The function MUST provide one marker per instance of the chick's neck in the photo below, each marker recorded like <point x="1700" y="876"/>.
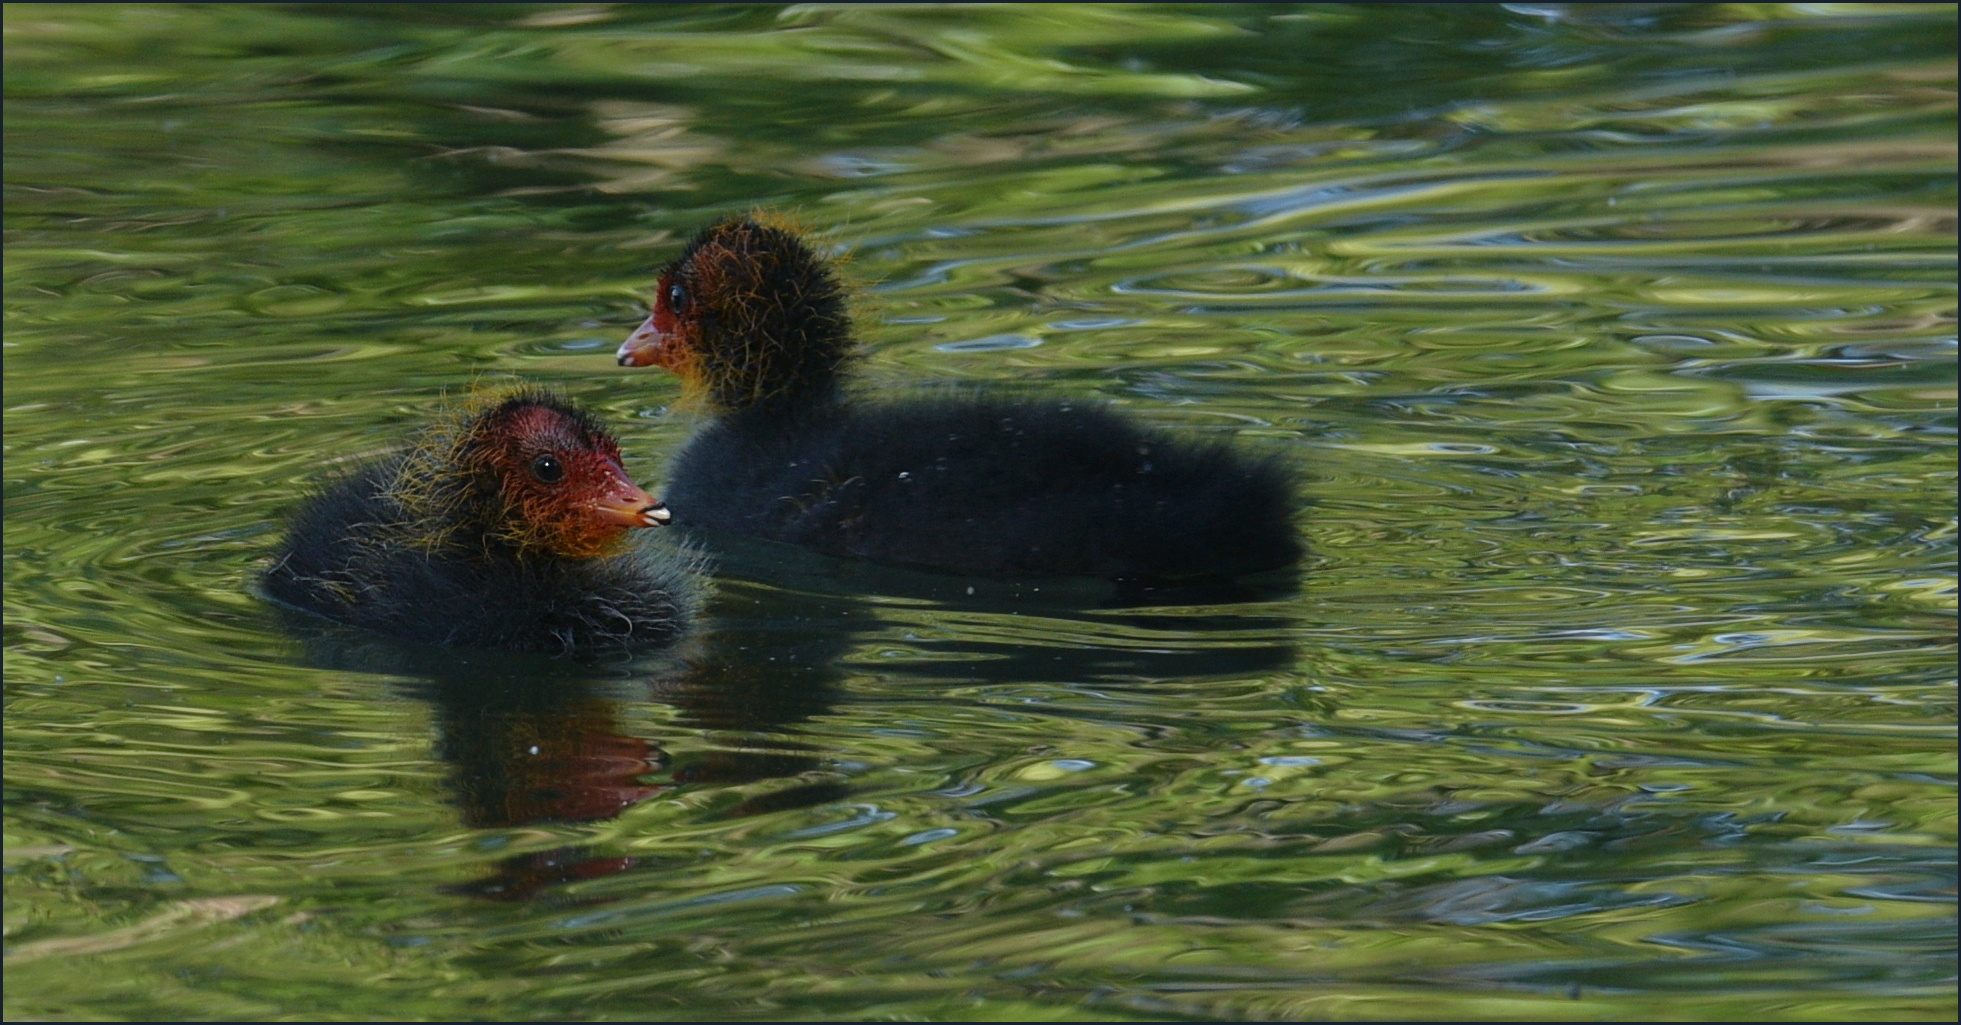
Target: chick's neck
<point x="774" y="357"/>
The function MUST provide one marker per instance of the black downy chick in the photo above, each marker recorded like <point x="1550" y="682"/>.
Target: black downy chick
<point x="503" y="526"/>
<point x="755" y="324"/>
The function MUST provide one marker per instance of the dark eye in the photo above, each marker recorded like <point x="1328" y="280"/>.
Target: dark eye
<point x="677" y="298"/>
<point x="548" y="469"/>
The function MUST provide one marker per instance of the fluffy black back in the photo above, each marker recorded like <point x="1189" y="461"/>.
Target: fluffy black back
<point x="988" y="487"/>
<point x="348" y="558"/>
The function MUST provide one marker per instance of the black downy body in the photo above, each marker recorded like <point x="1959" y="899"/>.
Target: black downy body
<point x="365" y="552"/>
<point x="974" y="485"/>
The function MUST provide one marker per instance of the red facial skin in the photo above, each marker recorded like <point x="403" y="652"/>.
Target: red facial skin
<point x="561" y="489"/>
<point x="747" y="314"/>
<point x="666" y="339"/>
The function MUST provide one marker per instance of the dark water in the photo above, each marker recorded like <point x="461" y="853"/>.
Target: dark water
<point x="1613" y="343"/>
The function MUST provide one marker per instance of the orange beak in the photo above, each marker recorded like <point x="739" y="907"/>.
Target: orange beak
<point x="628" y="506"/>
<point x="647" y="346"/>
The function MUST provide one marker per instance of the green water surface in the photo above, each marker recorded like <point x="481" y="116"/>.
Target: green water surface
<point x="1613" y="344"/>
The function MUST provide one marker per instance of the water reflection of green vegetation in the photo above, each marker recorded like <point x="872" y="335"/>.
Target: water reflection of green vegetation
<point x="1615" y="339"/>
<point x="533" y="740"/>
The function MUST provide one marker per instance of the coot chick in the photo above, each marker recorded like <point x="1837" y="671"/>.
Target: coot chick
<point x="755" y="324"/>
<point x="502" y="526"/>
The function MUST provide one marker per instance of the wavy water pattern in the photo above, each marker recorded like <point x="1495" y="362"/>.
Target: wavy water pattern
<point x="1613" y="345"/>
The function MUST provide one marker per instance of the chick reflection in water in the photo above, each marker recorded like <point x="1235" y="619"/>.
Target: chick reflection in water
<point x="536" y="751"/>
<point x="533" y="740"/>
<point x="524" y="752"/>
